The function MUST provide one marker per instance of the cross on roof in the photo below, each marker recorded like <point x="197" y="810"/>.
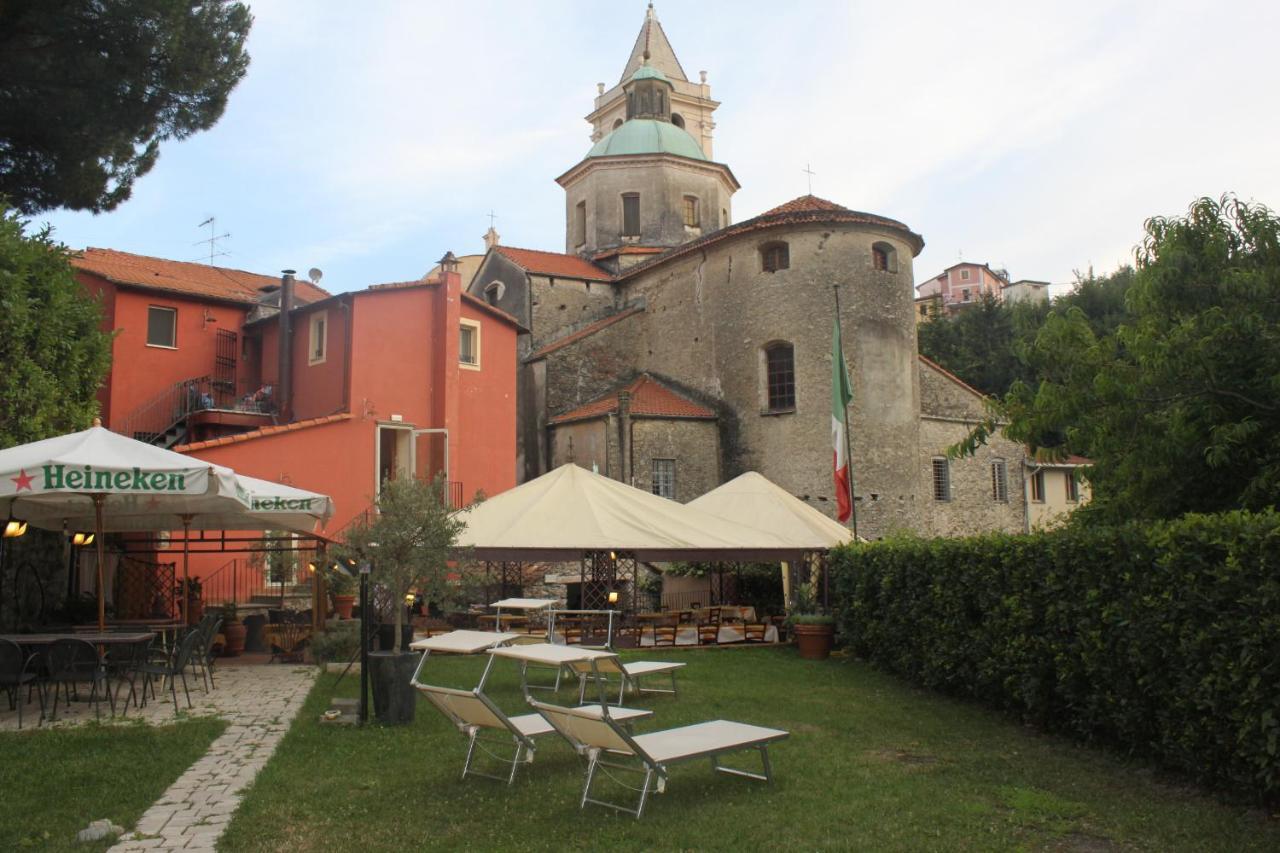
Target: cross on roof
<point x="492" y="217"/>
<point x="810" y="173"/>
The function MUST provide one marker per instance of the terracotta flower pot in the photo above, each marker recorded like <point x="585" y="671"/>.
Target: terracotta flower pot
<point x="814" y="641"/>
<point x="342" y="605"/>
<point x="195" y="611"/>
<point x="233" y="633"/>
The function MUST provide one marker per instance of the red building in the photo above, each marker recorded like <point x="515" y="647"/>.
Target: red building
<point x="408" y="378"/>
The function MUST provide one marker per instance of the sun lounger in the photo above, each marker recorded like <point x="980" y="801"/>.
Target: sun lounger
<point x="599" y="738"/>
<point x="629" y="674"/>
<point x="473" y="712"/>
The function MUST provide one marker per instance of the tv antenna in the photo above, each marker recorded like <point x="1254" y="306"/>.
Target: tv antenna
<point x="214" y="237"/>
<point x="314" y="275"/>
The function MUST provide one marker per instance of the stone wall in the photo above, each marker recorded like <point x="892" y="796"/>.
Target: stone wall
<point x="587" y="368"/>
<point x="693" y="444"/>
<point x="559" y="305"/>
<point x="586" y="444"/>
<point x="512" y="285"/>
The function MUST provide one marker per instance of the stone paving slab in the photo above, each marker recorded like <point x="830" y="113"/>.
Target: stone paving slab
<point x="259" y="702"/>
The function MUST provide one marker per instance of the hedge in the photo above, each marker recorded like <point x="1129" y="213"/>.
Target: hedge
<point x="1161" y="639"/>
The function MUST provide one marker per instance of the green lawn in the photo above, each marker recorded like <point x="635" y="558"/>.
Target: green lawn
<point x="54" y="782"/>
<point x="871" y="764"/>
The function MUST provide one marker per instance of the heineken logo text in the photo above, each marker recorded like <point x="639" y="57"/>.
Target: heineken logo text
<point x="281" y="503"/>
<point x="137" y="480"/>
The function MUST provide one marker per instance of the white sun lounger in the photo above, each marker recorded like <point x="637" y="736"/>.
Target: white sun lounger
<point x="599" y="739"/>
<point x="629" y="674"/>
<point x="473" y="712"/>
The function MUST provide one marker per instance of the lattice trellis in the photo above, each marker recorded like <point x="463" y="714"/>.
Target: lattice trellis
<point x="604" y="572"/>
<point x="503" y="579"/>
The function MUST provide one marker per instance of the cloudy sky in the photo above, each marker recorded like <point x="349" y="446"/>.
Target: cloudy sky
<point x="369" y="138"/>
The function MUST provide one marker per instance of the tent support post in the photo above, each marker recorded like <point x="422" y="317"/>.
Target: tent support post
<point x="186" y="568"/>
<point x="98" y="501"/>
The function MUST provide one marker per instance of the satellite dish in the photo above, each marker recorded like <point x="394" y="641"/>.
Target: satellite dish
<point x="315" y="274"/>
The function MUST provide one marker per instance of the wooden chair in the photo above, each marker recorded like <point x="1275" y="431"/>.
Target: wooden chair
<point x="753" y="632"/>
<point x="664" y="634"/>
<point x="713" y="616"/>
<point x="708" y="634"/>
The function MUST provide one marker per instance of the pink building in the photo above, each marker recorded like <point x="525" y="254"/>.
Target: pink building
<point x="963" y="284"/>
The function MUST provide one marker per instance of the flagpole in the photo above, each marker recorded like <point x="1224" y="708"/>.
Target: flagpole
<point x="848" y="434"/>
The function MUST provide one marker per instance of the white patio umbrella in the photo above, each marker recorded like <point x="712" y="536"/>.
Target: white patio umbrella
<point x="100" y="480"/>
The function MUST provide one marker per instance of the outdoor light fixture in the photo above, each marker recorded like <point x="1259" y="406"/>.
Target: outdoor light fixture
<point x="80" y="539"/>
<point x="613" y="555"/>
<point x="410" y="598"/>
<point x="311" y="567"/>
<point x="613" y="597"/>
<point x="14" y="528"/>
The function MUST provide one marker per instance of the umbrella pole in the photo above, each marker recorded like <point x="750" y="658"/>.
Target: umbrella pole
<point x="98" y="500"/>
<point x="186" y="568"/>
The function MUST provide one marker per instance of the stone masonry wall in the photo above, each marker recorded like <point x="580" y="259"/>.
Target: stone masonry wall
<point x="557" y="305"/>
<point x="693" y="444"/>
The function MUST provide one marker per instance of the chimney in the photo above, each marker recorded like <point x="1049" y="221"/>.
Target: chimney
<point x="284" y="382"/>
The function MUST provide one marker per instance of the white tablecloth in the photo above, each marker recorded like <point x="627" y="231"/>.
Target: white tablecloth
<point x="687" y="635"/>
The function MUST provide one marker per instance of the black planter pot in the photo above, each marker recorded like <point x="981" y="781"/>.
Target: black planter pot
<point x="394" y="698"/>
<point x="387" y="636"/>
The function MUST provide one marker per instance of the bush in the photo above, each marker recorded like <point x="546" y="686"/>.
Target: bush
<point x="337" y="643"/>
<point x="1162" y="639"/>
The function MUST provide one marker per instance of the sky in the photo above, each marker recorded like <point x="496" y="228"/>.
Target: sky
<point x="368" y="139"/>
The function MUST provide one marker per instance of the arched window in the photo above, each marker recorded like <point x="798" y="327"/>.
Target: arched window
<point x="677" y="120"/>
<point x="617" y="123"/>
<point x="580" y="223"/>
<point x="884" y="258"/>
<point x="774" y="256"/>
<point x="780" y="377"/>
<point x="493" y="292"/>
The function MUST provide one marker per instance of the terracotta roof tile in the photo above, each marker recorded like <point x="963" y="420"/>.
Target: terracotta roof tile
<point x="795" y="212"/>
<point x="186" y="278"/>
<point x="263" y="433"/>
<point x="803" y="203"/>
<point x="553" y="263"/>
<point x="585" y="331"/>
<point x="649" y="398"/>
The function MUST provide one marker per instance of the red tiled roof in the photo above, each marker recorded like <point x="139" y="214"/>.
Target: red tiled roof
<point x="628" y="250"/>
<point x="585" y="331"/>
<point x="492" y="309"/>
<point x="803" y="203"/>
<point x="795" y="212"/>
<point x="186" y="278"/>
<point x="262" y="433"/>
<point x="553" y="263"/>
<point x="649" y="398"/>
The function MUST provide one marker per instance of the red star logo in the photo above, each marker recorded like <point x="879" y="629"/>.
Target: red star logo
<point x="22" y="481"/>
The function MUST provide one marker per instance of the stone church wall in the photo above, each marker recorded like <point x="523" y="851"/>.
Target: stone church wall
<point x="710" y="314"/>
<point x="586" y="369"/>
<point x="587" y="443"/>
<point x="514" y="296"/>
<point x="558" y="305"/>
<point x="693" y="444"/>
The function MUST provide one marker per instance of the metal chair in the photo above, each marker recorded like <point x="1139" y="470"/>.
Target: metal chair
<point x="172" y="671"/>
<point x="203" y="657"/>
<point x="15" y="673"/>
<point x="68" y="663"/>
<point x="124" y="661"/>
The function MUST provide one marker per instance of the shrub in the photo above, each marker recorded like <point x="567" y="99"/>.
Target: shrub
<point x="337" y="643"/>
<point x="1160" y="638"/>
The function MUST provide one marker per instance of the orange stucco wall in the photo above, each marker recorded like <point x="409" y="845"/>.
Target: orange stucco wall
<point x="485" y="444"/>
<point x="318" y="389"/>
<point x="139" y="372"/>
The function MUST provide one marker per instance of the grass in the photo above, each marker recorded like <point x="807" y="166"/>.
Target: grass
<point x="56" y="781"/>
<point x="871" y="764"/>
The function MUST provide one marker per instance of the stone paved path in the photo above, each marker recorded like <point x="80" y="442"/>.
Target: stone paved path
<point x="260" y="702"/>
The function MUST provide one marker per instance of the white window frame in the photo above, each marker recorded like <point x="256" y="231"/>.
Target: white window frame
<point x="173" y="315"/>
<point x="1037" y="486"/>
<point x="999" y="481"/>
<point x="318" y="319"/>
<point x="475" y="335"/>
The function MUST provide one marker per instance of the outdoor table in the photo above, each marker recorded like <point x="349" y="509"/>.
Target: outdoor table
<point x="97" y="638"/>
<point x="507" y="619"/>
<point x="687" y="635"/>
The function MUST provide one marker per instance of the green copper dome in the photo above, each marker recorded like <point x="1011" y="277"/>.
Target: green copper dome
<point x="648" y="72"/>
<point x="648" y="136"/>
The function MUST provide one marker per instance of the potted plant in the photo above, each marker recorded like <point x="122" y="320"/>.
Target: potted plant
<point x="342" y="588"/>
<point x="814" y="630"/>
<point x="195" y="603"/>
<point x="408" y="544"/>
<point x="233" y="631"/>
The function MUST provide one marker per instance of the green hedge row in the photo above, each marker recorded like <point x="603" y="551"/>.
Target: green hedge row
<point x="1162" y="639"/>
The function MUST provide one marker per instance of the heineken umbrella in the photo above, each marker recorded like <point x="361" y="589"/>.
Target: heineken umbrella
<point x="102" y="481"/>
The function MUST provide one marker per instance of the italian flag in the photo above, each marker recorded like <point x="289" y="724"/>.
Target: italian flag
<point x="841" y="396"/>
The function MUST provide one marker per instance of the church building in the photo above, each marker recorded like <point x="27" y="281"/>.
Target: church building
<point x="673" y="348"/>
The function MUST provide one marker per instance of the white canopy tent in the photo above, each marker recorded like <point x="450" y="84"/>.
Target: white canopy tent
<point x="102" y="481"/>
<point x="754" y="500"/>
